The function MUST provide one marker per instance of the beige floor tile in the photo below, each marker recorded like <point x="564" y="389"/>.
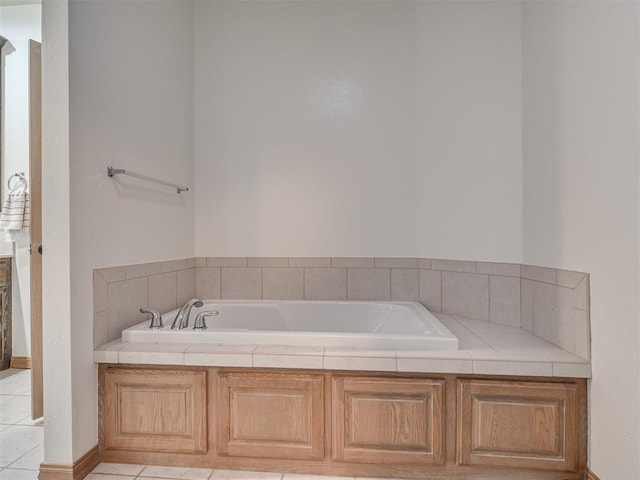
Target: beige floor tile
<point x="244" y="475"/>
<point x="17" y="440"/>
<point x="180" y="473"/>
<point x="30" y="460"/>
<point x="102" y="476"/>
<point x="14" y="474"/>
<point x="118" y="469"/>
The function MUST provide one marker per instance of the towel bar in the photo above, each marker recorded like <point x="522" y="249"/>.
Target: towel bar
<point x="121" y="171"/>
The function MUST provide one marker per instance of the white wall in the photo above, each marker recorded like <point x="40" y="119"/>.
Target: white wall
<point x="19" y="24"/>
<point x="358" y="128"/>
<point x="56" y="261"/>
<point x="131" y="78"/>
<point x="469" y="130"/>
<point x="581" y="192"/>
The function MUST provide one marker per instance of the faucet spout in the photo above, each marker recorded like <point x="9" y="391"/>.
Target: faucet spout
<point x="182" y="318"/>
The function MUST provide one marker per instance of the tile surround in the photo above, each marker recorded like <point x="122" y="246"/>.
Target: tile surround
<point x="369" y="284"/>
<point x="245" y="283"/>
<point x="325" y="283"/>
<point x="465" y="294"/>
<point x="552" y="304"/>
<point x="120" y="292"/>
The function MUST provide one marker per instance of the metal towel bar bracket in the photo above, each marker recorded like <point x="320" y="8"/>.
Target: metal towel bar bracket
<point x="121" y="171"/>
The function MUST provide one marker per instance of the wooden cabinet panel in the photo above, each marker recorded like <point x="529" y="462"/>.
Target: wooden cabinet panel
<point x="387" y="420"/>
<point x="155" y="410"/>
<point x="517" y="424"/>
<point x="271" y="415"/>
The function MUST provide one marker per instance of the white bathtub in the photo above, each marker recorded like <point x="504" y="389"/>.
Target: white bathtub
<point x="374" y="325"/>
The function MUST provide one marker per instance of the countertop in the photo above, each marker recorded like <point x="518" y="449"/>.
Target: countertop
<point x="484" y="348"/>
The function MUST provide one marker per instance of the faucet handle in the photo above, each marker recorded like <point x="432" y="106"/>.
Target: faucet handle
<point x="156" y="319"/>
<point x="200" y="324"/>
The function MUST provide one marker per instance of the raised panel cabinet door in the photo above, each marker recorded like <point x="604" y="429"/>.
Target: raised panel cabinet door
<point x="517" y="424"/>
<point x="271" y="415"/>
<point x="387" y="420"/>
<point x="155" y="410"/>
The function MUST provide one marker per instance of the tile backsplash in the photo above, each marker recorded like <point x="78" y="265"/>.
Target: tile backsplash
<point x="119" y="292"/>
<point x="552" y="304"/>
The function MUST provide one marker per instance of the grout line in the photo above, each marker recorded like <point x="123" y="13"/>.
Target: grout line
<point x="441" y="294"/>
<point x="346" y="286"/>
<point x="304" y="283"/>
<point x="489" y="300"/>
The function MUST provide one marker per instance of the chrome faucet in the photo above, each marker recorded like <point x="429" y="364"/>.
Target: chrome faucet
<point x="156" y="319"/>
<point x="182" y="318"/>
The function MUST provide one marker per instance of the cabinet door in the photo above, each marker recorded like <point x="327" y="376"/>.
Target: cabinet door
<point x="155" y="410"/>
<point x="517" y="424"/>
<point x="387" y="420"/>
<point x="271" y="415"/>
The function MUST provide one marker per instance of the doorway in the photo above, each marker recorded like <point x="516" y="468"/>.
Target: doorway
<point x="20" y="173"/>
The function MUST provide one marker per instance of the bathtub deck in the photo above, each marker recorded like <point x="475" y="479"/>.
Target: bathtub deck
<point x="485" y="348"/>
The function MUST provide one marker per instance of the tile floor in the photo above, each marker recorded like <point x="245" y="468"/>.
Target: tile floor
<point x="21" y="446"/>
<point x="115" y="471"/>
<point x="21" y="439"/>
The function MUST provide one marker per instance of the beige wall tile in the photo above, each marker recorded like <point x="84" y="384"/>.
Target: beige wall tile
<point x="424" y="263"/>
<point x="352" y="262"/>
<point x="191" y="262"/>
<point x="453" y="265"/>
<point x="325" y="284"/>
<point x="226" y="262"/>
<point x="162" y="292"/>
<point x="99" y="292"/>
<point x="539" y="274"/>
<point x="569" y="279"/>
<point x="100" y="329"/>
<point x="572" y="370"/>
<point x="405" y="284"/>
<point x="174" y="265"/>
<point x="125" y="299"/>
<point x="113" y="274"/>
<point x="526" y="304"/>
<point x="465" y="294"/>
<point x="504" y="300"/>
<point x="317" y="262"/>
<point x="581" y="294"/>
<point x="143" y="269"/>
<point x="207" y="283"/>
<point x="186" y="285"/>
<point x="431" y="289"/>
<point x="554" y="315"/>
<point x="504" y="269"/>
<point x="583" y="334"/>
<point x="396" y="263"/>
<point x="283" y="283"/>
<point x="287" y="361"/>
<point x="334" y="362"/>
<point x="497" y="367"/>
<point x="241" y="283"/>
<point x="268" y="261"/>
<point x="546" y="312"/>
<point x="431" y="365"/>
<point x="368" y="284"/>
<point x="201" y="262"/>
